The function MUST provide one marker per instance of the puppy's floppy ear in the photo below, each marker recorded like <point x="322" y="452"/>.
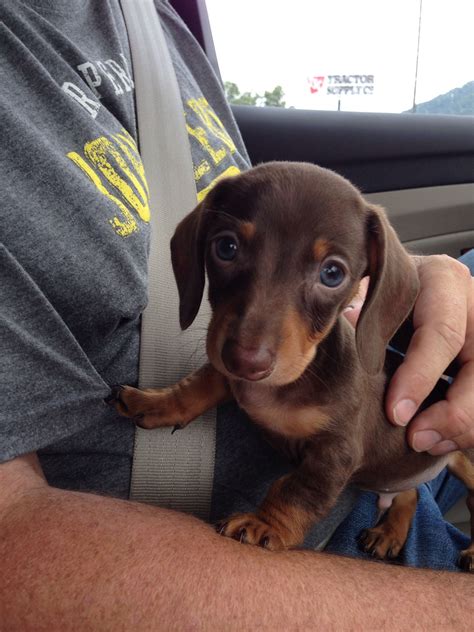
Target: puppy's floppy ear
<point x="392" y="291"/>
<point x="188" y="246"/>
<point x="187" y="257"/>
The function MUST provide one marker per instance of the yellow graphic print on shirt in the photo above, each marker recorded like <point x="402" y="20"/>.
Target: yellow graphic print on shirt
<point x="114" y="166"/>
<point x="117" y="160"/>
<point x="214" y="140"/>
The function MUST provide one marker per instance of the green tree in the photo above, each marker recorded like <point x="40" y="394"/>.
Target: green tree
<point x="273" y="98"/>
<point x="234" y="96"/>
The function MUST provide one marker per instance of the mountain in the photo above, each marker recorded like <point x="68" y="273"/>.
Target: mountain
<point x="457" y="101"/>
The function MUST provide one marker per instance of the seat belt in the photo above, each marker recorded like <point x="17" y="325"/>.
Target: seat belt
<point x="171" y="470"/>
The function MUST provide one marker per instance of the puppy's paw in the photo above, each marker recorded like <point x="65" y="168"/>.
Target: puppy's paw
<point x="466" y="560"/>
<point x="149" y="408"/>
<point x="128" y="401"/>
<point x="250" y="529"/>
<point x="382" y="542"/>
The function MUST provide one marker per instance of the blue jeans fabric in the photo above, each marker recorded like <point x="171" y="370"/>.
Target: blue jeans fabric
<point x="432" y="541"/>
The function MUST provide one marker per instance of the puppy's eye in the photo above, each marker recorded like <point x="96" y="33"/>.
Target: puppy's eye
<point x="226" y="248"/>
<point x="331" y="274"/>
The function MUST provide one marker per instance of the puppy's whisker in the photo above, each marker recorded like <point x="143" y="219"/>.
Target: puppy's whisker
<point x="199" y="351"/>
<point x="309" y="373"/>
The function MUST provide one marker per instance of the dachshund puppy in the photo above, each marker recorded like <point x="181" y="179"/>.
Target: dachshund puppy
<point x="285" y="246"/>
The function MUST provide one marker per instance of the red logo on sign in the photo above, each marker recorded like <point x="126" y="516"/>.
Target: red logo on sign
<point x="315" y="83"/>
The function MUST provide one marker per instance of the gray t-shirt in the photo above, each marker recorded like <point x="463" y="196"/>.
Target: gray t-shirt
<point x="74" y="239"/>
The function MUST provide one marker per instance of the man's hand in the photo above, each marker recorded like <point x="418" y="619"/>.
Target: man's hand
<point x="443" y="320"/>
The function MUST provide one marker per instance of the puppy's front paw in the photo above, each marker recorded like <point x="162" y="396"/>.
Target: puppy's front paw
<point x="126" y="400"/>
<point x="149" y="408"/>
<point x="382" y="542"/>
<point x="250" y="529"/>
<point x="466" y="559"/>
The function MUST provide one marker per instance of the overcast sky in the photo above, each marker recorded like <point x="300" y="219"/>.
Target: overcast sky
<point x="263" y="43"/>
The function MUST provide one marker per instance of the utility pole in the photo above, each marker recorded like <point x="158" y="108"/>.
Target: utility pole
<point x="413" y="109"/>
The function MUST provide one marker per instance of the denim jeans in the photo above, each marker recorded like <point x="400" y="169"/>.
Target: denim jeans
<point x="432" y="541"/>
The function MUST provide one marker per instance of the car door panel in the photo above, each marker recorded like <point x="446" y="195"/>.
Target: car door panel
<point x="420" y="168"/>
<point x="432" y="220"/>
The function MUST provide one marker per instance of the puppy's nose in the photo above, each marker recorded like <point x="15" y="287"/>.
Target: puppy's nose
<point x="249" y="363"/>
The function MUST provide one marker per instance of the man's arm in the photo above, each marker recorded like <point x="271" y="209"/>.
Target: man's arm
<point x="79" y="561"/>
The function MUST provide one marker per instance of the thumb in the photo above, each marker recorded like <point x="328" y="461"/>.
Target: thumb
<point x="352" y="311"/>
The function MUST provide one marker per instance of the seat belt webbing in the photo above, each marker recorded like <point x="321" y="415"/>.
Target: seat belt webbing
<point x="171" y="470"/>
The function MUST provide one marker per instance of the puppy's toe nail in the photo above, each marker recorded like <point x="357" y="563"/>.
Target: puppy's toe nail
<point x="264" y="542"/>
<point x="365" y="540"/>
<point x="114" y="395"/>
<point x="466" y="563"/>
<point x="242" y="535"/>
<point x="176" y="427"/>
<point x="220" y="527"/>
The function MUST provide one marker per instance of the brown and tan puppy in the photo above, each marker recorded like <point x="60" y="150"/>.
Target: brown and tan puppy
<point x="285" y="246"/>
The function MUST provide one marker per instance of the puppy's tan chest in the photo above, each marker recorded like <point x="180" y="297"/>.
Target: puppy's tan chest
<point x="291" y="421"/>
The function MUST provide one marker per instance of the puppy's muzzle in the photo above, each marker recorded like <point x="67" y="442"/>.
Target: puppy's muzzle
<point x="248" y="363"/>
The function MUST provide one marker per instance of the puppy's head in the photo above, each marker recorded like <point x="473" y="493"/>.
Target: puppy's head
<point x="285" y="246"/>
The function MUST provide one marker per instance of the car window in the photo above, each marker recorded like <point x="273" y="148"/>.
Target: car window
<point x="349" y="55"/>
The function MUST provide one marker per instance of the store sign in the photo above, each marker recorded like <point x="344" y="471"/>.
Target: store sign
<point x="342" y="85"/>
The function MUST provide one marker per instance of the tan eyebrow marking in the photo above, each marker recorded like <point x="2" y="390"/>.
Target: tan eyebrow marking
<point x="247" y="230"/>
<point x="321" y="248"/>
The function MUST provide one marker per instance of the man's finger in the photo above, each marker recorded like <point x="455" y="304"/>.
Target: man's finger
<point x="426" y="359"/>
<point x="447" y="425"/>
<point x="352" y="312"/>
<point x="440" y="327"/>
